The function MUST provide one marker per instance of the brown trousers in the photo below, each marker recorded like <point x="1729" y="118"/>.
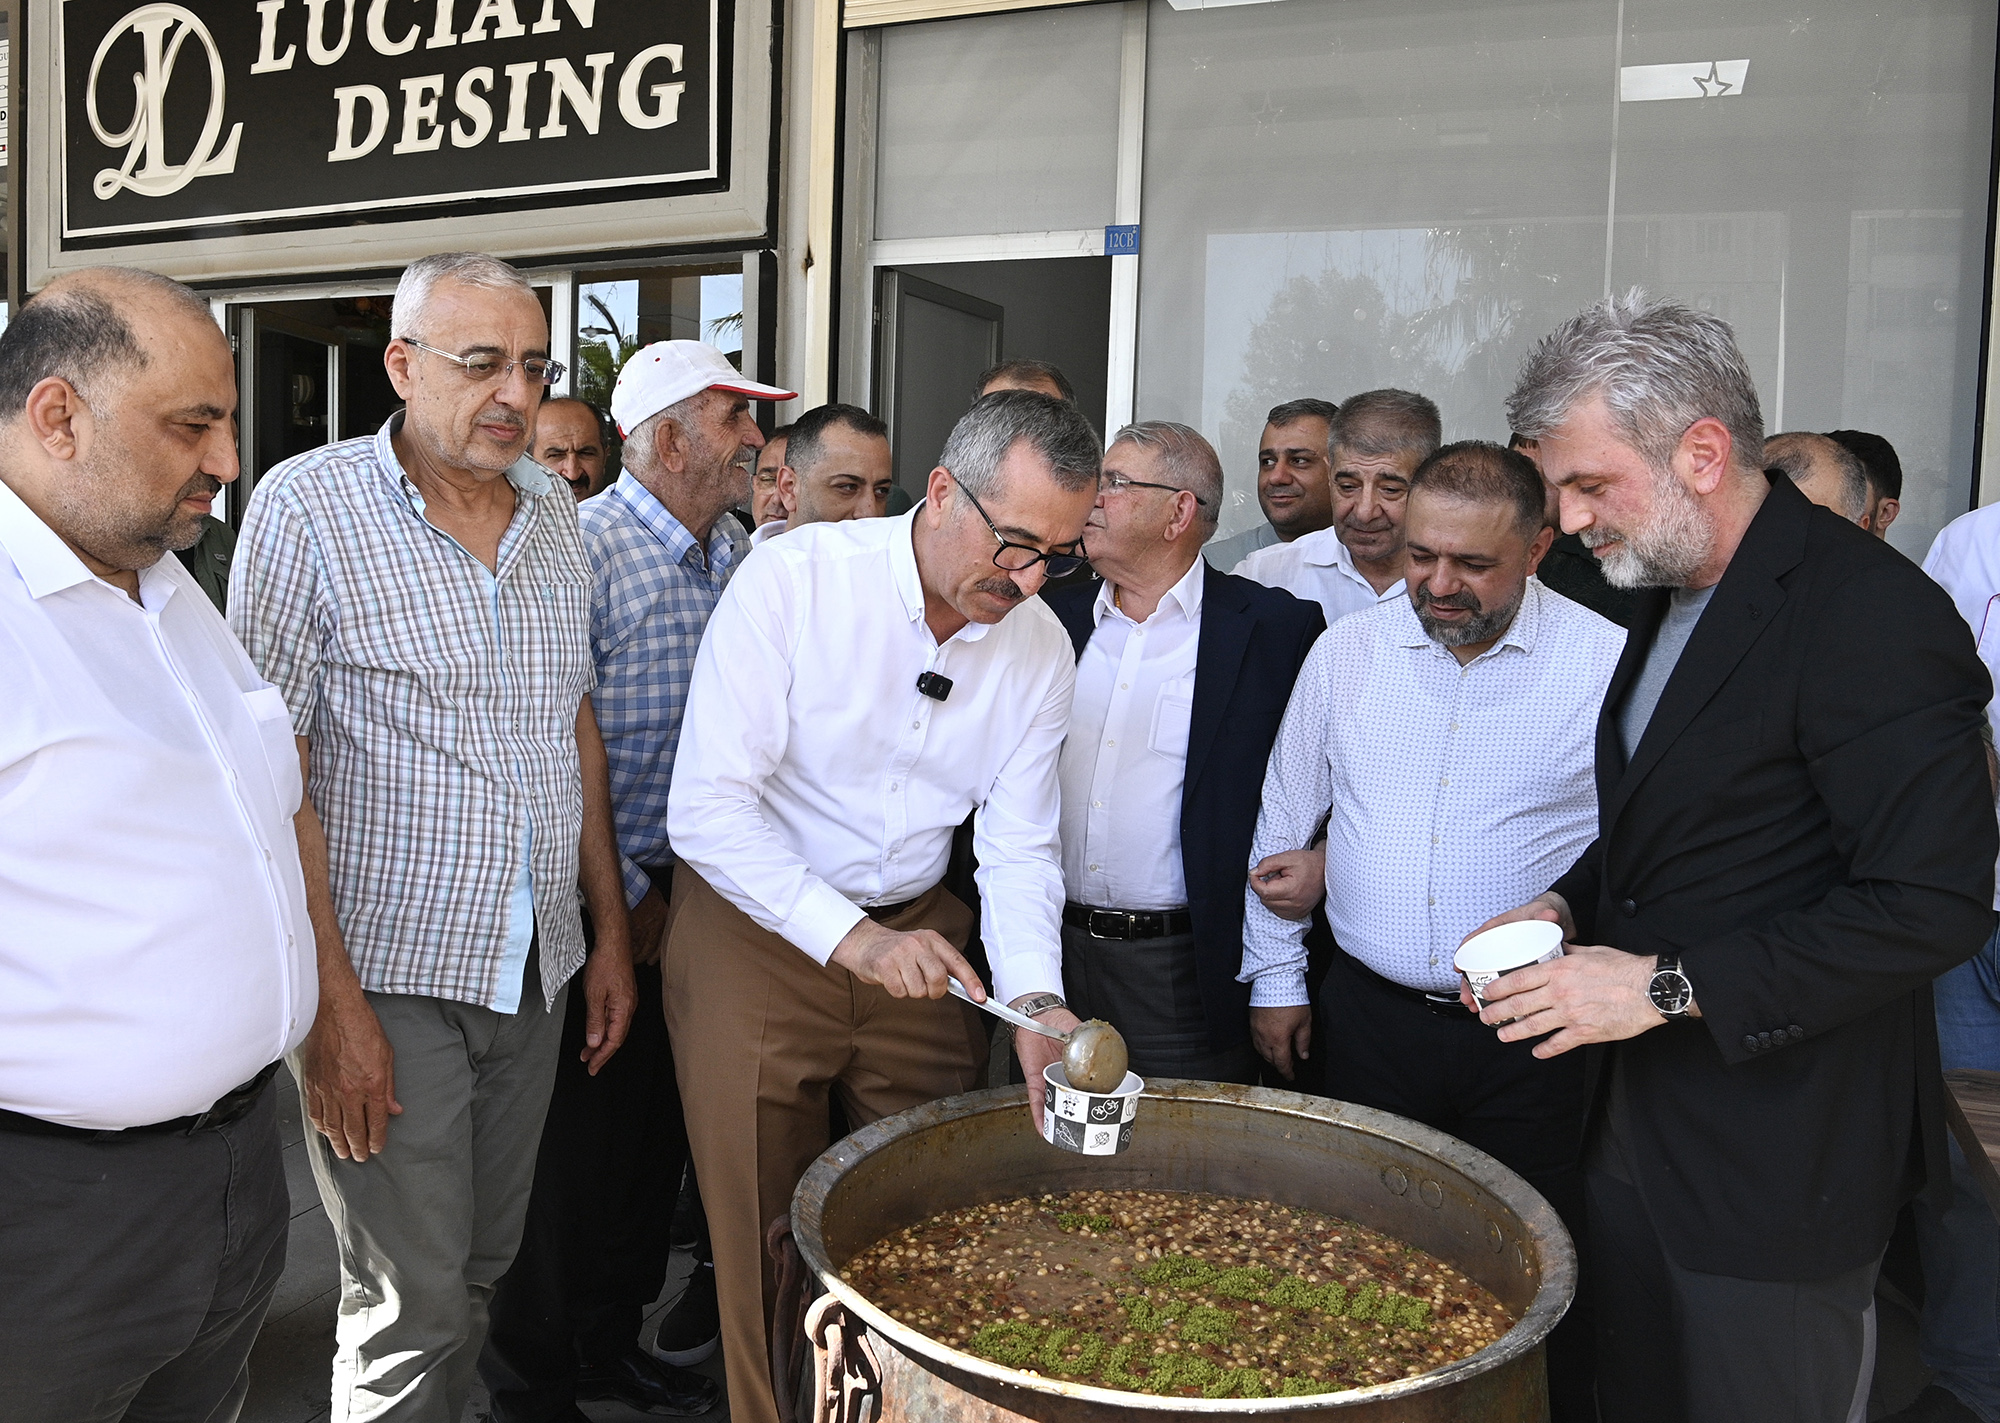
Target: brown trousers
<point x="761" y="1036"/>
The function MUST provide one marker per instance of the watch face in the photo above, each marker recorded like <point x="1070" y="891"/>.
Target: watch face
<point x="1671" y="992"/>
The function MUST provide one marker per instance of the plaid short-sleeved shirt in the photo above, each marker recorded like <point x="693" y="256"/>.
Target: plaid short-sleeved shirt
<point x="440" y="700"/>
<point x="655" y="588"/>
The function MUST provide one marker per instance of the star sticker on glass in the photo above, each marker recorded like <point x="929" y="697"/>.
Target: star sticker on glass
<point x="1267" y="117"/>
<point x="1712" y="84"/>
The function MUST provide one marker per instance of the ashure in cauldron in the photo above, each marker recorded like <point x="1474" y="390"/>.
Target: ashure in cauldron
<point x="1378" y="1170"/>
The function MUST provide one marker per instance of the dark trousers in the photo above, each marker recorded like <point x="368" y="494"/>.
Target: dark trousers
<point x="594" y="1249"/>
<point x="1678" y="1346"/>
<point x="137" y="1271"/>
<point x="1147" y="989"/>
<point x="1385" y="1051"/>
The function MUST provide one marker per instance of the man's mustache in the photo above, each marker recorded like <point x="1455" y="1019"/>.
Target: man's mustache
<point x="202" y="486"/>
<point x="1463" y="602"/>
<point x="1005" y="588"/>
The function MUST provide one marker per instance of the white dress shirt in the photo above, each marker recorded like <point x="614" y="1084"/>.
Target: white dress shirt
<point x="765" y="532"/>
<point x="154" y="945"/>
<point x="813" y="777"/>
<point x="1125" y="758"/>
<point x="1318" y="568"/>
<point x="1965" y="560"/>
<point x="1455" y="792"/>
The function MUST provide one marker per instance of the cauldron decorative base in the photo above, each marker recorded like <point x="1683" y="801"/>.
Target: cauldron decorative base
<point x="1382" y="1171"/>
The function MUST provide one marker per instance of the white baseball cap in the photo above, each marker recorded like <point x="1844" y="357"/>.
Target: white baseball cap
<point x="668" y="372"/>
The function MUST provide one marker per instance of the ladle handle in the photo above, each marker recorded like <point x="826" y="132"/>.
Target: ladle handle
<point x="1004" y="1013"/>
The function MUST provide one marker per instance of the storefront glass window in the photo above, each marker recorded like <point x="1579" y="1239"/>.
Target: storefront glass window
<point x="1343" y="197"/>
<point x="618" y="312"/>
<point x="1002" y="123"/>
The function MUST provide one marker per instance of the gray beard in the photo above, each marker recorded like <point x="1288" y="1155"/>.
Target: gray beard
<point x="1664" y="552"/>
<point x="1482" y="626"/>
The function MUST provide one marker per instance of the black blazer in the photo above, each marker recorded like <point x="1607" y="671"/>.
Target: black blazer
<point x="1807" y="821"/>
<point x="1253" y="641"/>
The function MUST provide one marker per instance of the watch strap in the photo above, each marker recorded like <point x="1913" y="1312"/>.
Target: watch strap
<point x="1039" y="1003"/>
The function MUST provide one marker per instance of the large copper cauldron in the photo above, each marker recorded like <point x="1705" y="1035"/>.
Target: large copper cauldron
<point x="1382" y="1171"/>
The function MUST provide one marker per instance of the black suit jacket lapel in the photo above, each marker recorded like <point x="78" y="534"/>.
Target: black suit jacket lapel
<point x="1074" y="612"/>
<point x="1226" y="625"/>
<point x="1743" y="606"/>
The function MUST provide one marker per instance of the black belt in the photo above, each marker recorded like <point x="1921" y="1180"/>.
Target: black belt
<point x="1128" y="923"/>
<point x="231" y="1106"/>
<point x="883" y="913"/>
<point x="1444" y="1005"/>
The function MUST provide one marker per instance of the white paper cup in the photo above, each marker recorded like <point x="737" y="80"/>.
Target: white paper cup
<point x="1504" y="948"/>
<point x="1089" y="1123"/>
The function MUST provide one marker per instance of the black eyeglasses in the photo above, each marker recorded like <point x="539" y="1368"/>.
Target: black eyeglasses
<point x="1113" y="482"/>
<point x="1015" y="558"/>
<point x="541" y="370"/>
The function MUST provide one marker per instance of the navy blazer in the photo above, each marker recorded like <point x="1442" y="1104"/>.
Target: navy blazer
<point x="1253" y="641"/>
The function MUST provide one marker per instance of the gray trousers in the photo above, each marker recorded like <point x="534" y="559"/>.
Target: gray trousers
<point x="1678" y="1346"/>
<point x="428" y="1227"/>
<point x="1149" y="991"/>
<point x="134" y="1273"/>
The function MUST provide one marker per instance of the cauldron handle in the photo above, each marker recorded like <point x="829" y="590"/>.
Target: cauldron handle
<point x="846" y="1374"/>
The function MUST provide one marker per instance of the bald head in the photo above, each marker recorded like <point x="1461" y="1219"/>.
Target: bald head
<point x="117" y="416"/>
<point x="1826" y="472"/>
<point x="79" y="328"/>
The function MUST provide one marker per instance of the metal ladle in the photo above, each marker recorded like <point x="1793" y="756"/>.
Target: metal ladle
<point x="1094" y="1055"/>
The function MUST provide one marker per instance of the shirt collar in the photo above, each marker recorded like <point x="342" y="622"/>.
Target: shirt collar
<point x="525" y="474"/>
<point x="49" y="565"/>
<point x="1186" y="594"/>
<point x="658" y="520"/>
<point x="1521" y="633"/>
<point x="1322" y="548"/>
<point x="909" y="582"/>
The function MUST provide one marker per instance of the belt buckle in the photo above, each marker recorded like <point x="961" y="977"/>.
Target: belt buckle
<point x="1124" y="918"/>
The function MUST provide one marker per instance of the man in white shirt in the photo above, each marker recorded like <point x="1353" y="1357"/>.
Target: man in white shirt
<point x="836" y="466"/>
<point x="1379" y="439"/>
<point x="861" y="688"/>
<point x="156" y="953"/>
<point x="1448" y="738"/>
<point x="1294" y="482"/>
<point x="1182" y="677"/>
<point x="1959" y="1239"/>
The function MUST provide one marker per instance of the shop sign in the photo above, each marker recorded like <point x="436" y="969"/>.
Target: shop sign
<point x="179" y="119"/>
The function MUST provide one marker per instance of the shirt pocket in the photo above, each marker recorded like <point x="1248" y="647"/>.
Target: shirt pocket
<point x="273" y="720"/>
<point x="1173" y="711"/>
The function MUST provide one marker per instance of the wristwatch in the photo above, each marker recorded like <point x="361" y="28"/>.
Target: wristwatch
<point x="1039" y="1003"/>
<point x="1670" y="990"/>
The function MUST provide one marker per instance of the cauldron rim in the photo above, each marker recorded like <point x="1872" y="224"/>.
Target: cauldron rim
<point x="1556" y="1254"/>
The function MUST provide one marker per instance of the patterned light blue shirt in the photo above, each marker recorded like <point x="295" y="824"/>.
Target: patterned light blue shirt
<point x="652" y="590"/>
<point x="440" y="699"/>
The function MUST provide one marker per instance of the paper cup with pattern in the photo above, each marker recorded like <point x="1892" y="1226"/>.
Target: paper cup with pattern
<point x="1089" y="1123"/>
<point x="1504" y="948"/>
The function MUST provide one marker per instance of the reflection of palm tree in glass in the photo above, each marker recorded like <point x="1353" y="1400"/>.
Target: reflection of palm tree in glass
<point x="601" y="355"/>
<point x="1330" y="337"/>
<point x="1488" y="290"/>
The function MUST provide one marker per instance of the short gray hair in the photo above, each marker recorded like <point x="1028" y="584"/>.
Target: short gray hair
<point x="1800" y="455"/>
<point x="1660" y="367"/>
<point x="420" y="278"/>
<point x="1381" y="424"/>
<point x="1055" y="429"/>
<point x="1189" y="458"/>
<point x="640" y="452"/>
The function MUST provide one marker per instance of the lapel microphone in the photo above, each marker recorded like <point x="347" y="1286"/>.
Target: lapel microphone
<point x="933" y="686"/>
